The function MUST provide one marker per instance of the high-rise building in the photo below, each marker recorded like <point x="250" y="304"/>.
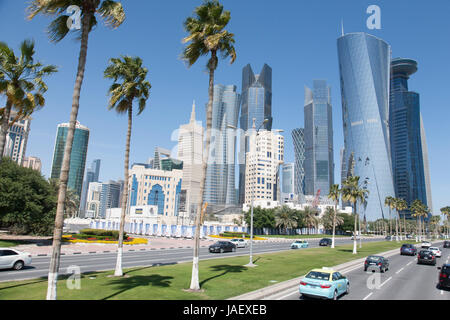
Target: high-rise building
<point x="17" y="138"/>
<point x="256" y="103"/>
<point x="190" y="151"/>
<point x="160" y="154"/>
<point x="319" y="163"/>
<point x="220" y="174"/>
<point x="364" y="64"/>
<point x="288" y="178"/>
<point x="426" y="165"/>
<point x="263" y="166"/>
<point x="109" y="197"/>
<point x="93" y="200"/>
<point x="92" y="175"/>
<point x="298" y="138"/>
<point x="33" y="163"/>
<point x="77" y="157"/>
<point x="405" y="135"/>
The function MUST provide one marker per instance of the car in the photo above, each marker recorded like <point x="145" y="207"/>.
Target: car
<point x="436" y="251"/>
<point x="444" y="276"/>
<point x="222" y="246"/>
<point x="446" y="244"/>
<point x="408" y="249"/>
<point x="388" y="238"/>
<point x="297" y="244"/>
<point x="374" y="263"/>
<point x="408" y="236"/>
<point x="239" y="242"/>
<point x="427" y="257"/>
<point x="324" y="283"/>
<point x="325" y="242"/>
<point x="426" y="244"/>
<point x="14" y="259"/>
<point x="357" y="237"/>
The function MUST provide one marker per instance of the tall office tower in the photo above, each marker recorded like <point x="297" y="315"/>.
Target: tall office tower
<point x="122" y="185"/>
<point x="288" y="178"/>
<point x="364" y="64"/>
<point x="220" y="174"/>
<point x="17" y="138"/>
<point x="190" y="151"/>
<point x="33" y="163"/>
<point x="160" y="154"/>
<point x="92" y="175"/>
<point x="405" y="135"/>
<point x="256" y="103"/>
<point x="319" y="163"/>
<point x="298" y="137"/>
<point x="263" y="166"/>
<point x="93" y="200"/>
<point x="109" y="197"/>
<point x="77" y="157"/>
<point x="426" y="165"/>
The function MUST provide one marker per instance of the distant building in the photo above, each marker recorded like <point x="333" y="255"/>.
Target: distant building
<point x="17" y="138"/>
<point x="92" y="175"/>
<point x="32" y="163"/>
<point x="93" y="200"/>
<point x="298" y="138"/>
<point x="77" y="158"/>
<point x="288" y="178"/>
<point x="110" y="196"/>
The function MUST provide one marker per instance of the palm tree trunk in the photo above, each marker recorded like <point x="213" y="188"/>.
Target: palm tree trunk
<point x="334" y="226"/>
<point x="118" y="271"/>
<point x="396" y="228"/>
<point x="354" y="232"/>
<point x="195" y="284"/>
<point x="5" y="126"/>
<point x="390" y="223"/>
<point x="59" y="219"/>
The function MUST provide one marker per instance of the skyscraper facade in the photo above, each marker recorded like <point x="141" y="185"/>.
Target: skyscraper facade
<point x="298" y="138"/>
<point x="426" y="165"/>
<point x="17" y="138"/>
<point x="319" y="163"/>
<point x="109" y="198"/>
<point x="77" y="158"/>
<point x="92" y="175"/>
<point x="288" y="178"/>
<point x="256" y="103"/>
<point x="220" y="174"/>
<point x="33" y="163"/>
<point x="405" y="134"/>
<point x="364" y="65"/>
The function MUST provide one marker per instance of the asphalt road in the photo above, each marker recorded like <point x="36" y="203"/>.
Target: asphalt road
<point x="405" y="280"/>
<point x="107" y="261"/>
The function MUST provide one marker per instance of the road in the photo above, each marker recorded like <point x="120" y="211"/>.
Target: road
<point x="405" y="280"/>
<point x="107" y="261"/>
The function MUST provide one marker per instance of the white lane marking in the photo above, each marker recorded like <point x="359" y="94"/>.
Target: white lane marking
<point x="385" y="282"/>
<point x="368" y="296"/>
<point x="399" y="271"/>
<point x="409" y="263"/>
<point x="287" y="295"/>
<point x="442" y="292"/>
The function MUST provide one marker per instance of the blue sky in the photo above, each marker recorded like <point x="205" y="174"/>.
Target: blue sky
<point x="297" y="38"/>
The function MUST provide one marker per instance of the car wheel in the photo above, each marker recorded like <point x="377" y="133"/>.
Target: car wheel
<point x="233" y="250"/>
<point x="381" y="270"/>
<point x="365" y="269"/>
<point x="221" y="250"/>
<point x="335" y="295"/>
<point x="18" y="265"/>
<point x="348" y="289"/>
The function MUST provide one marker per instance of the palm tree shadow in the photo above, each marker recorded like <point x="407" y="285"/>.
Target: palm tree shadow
<point x="125" y="284"/>
<point x="226" y="269"/>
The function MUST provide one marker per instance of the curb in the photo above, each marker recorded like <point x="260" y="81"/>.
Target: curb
<point x="260" y="294"/>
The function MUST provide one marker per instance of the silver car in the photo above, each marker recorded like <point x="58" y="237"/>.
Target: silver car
<point x="240" y="243"/>
<point x="13" y="259"/>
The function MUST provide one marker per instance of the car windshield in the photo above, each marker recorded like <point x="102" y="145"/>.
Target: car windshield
<point x="446" y="270"/>
<point x="407" y="246"/>
<point x="373" y="258"/>
<point x="318" y="275"/>
<point x="298" y="241"/>
<point x="434" y="249"/>
<point x="222" y="242"/>
<point x="425" y="252"/>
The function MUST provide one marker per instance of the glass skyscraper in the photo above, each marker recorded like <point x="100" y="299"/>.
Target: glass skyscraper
<point x="405" y="134"/>
<point x="319" y="163"/>
<point x="220" y="174"/>
<point x="288" y="176"/>
<point x="364" y="64"/>
<point x="298" y="137"/>
<point x="92" y="175"/>
<point x="256" y="104"/>
<point x="77" y="157"/>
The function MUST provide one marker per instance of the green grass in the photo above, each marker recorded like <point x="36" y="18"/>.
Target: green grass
<point x="219" y="278"/>
<point x="12" y="243"/>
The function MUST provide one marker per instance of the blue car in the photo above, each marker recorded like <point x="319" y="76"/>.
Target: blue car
<point x="324" y="283"/>
<point x="299" y="244"/>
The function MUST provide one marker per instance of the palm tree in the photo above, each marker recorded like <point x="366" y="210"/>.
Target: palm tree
<point x="351" y="191"/>
<point x="419" y="211"/>
<point x="130" y="84"/>
<point x="446" y="213"/>
<point x="389" y="202"/>
<point x="334" y="195"/>
<point x="309" y="214"/>
<point x="434" y="222"/>
<point x="207" y="35"/>
<point x="400" y="205"/>
<point x="284" y="218"/>
<point x="72" y="203"/>
<point x="21" y="83"/>
<point x="331" y="219"/>
<point x="113" y="15"/>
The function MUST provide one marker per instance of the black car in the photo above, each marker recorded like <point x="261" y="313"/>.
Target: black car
<point x="388" y="238"/>
<point x="408" y="249"/>
<point x="446" y="244"/>
<point x="427" y="257"/>
<point x="376" y="263"/>
<point x="325" y="242"/>
<point x="444" y="276"/>
<point x="222" y="246"/>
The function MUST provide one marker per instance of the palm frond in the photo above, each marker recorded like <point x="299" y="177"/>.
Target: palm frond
<point x="112" y="12"/>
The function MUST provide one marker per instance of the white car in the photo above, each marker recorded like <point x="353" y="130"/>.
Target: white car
<point x="436" y="251"/>
<point x="240" y="243"/>
<point x="426" y="244"/>
<point x="13" y="259"/>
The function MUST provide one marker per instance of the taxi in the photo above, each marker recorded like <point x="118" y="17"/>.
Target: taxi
<point x="324" y="283"/>
<point x="299" y="244"/>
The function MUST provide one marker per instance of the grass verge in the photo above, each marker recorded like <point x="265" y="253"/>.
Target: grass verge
<point x="12" y="243"/>
<point x="219" y="278"/>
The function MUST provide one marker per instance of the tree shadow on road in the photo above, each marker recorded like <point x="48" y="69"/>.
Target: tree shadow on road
<point x="226" y="268"/>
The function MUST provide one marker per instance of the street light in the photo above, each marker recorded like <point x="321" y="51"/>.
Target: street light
<point x="250" y="264"/>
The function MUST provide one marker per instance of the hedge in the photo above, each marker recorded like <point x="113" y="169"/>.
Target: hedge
<point x="89" y="233"/>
